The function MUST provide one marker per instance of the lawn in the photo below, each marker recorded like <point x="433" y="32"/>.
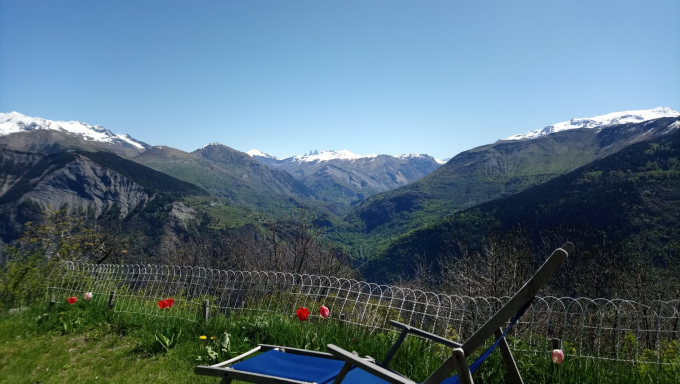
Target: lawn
<point x="87" y="343"/>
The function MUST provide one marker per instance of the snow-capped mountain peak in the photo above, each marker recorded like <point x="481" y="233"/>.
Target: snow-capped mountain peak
<point x="255" y="152"/>
<point x="329" y="155"/>
<point x="600" y="121"/>
<point x="14" y="122"/>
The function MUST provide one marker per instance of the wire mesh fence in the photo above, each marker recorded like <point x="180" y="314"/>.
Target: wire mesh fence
<point x="623" y="330"/>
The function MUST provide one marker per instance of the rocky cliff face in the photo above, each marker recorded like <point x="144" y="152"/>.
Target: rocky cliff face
<point x="13" y="165"/>
<point x="31" y="183"/>
<point x="84" y="183"/>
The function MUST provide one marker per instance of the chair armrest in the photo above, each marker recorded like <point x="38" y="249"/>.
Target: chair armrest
<point x="371" y="368"/>
<point x="426" y="335"/>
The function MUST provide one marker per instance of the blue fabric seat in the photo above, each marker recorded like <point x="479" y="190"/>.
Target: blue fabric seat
<point x="291" y="366"/>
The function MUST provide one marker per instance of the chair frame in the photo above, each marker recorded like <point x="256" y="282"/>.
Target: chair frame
<point x="458" y="359"/>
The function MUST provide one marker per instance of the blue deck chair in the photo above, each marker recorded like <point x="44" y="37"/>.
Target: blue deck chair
<point x="298" y="366"/>
<point x="380" y="374"/>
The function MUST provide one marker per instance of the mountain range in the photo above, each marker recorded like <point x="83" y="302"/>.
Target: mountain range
<point x="332" y="180"/>
<point x="627" y="202"/>
<point x="497" y="170"/>
<point x="382" y="209"/>
<point x="345" y="178"/>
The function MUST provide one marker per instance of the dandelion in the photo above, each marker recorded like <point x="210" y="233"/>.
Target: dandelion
<point x="302" y="313"/>
<point x="203" y="337"/>
<point x="557" y="356"/>
<point x="324" y="312"/>
<point x="72" y="300"/>
<point x="88" y="295"/>
<point x="212" y="337"/>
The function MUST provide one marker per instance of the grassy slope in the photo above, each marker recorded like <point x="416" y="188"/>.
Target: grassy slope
<point x="122" y="349"/>
<point x="28" y="358"/>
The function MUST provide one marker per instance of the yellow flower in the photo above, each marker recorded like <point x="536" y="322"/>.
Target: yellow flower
<point x="202" y="337"/>
<point x="212" y="337"/>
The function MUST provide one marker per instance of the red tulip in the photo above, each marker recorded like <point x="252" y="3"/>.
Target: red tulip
<point x="302" y="313"/>
<point x="557" y="356"/>
<point x="72" y="300"/>
<point x="324" y="312"/>
<point x="162" y="304"/>
<point x="170" y="302"/>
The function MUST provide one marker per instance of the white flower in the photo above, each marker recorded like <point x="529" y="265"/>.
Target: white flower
<point x="88" y="295"/>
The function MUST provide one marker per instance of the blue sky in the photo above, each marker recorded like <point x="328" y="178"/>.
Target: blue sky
<point x="286" y="77"/>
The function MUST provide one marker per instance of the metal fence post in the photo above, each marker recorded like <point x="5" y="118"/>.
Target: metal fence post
<point x="557" y="344"/>
<point x="206" y="309"/>
<point x="112" y="299"/>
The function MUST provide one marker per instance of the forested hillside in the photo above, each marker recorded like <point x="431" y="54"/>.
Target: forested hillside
<point x="493" y="171"/>
<point x="626" y="204"/>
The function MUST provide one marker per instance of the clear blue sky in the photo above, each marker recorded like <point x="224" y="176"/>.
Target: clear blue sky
<point x="285" y="77"/>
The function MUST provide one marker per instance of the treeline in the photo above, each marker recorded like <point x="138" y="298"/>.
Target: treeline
<point x="287" y="243"/>
<point x="469" y="263"/>
<point x="493" y="265"/>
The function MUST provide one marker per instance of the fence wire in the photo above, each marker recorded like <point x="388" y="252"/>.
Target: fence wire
<point x="621" y="330"/>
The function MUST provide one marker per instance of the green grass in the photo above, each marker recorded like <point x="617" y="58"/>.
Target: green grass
<point x="97" y="345"/>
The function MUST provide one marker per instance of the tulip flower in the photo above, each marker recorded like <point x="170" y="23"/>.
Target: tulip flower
<point x="324" y="312"/>
<point x="88" y="295"/>
<point x="167" y="303"/>
<point x="302" y="313"/>
<point x="72" y="300"/>
<point x="557" y="356"/>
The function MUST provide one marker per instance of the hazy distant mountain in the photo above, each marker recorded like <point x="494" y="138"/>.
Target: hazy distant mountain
<point x="343" y="177"/>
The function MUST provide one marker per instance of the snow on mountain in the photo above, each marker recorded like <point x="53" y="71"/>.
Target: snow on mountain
<point x="600" y="121"/>
<point x="328" y="155"/>
<point x="255" y="152"/>
<point x="213" y="143"/>
<point x="16" y="122"/>
<point x="409" y="156"/>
